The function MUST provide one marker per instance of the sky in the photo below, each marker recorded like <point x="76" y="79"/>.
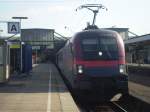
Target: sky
<point x="61" y="15"/>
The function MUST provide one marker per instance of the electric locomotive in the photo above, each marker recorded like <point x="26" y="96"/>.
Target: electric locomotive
<point x="93" y="60"/>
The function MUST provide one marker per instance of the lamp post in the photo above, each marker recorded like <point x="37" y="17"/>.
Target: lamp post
<point x="20" y="18"/>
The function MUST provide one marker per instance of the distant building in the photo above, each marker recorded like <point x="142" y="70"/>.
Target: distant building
<point x="38" y="37"/>
<point x="122" y="31"/>
<point x="138" y="49"/>
<point x="42" y="41"/>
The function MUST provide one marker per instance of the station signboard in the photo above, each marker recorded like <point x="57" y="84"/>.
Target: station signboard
<point x="13" y="27"/>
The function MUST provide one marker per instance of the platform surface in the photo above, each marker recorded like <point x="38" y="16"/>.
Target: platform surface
<point x="139" y="86"/>
<point x="42" y="91"/>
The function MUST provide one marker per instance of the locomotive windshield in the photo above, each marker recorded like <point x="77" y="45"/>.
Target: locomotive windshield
<point x="103" y="48"/>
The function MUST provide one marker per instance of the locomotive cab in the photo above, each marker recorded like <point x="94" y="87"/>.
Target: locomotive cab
<point x="94" y="61"/>
<point x="100" y="61"/>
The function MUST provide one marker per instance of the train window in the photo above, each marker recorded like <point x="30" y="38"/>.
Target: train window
<point x="108" y="43"/>
<point x="90" y="45"/>
<point x="103" y="48"/>
<point x="90" y="48"/>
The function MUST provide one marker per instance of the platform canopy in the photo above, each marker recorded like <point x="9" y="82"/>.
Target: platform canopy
<point x="38" y="37"/>
<point x="139" y="39"/>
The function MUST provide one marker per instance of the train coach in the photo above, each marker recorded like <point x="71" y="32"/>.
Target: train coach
<point x="94" y="60"/>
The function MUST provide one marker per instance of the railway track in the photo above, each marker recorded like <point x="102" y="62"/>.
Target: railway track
<point x="125" y="104"/>
<point x="101" y="107"/>
<point x="117" y="107"/>
<point x="105" y="107"/>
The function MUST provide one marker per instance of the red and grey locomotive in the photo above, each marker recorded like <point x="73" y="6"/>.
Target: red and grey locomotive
<point x="94" y="60"/>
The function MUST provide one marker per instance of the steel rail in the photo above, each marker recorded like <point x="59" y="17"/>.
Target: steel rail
<point x="119" y="107"/>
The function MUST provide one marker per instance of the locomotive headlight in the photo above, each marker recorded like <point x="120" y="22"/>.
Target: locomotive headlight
<point x="122" y="68"/>
<point x="80" y="69"/>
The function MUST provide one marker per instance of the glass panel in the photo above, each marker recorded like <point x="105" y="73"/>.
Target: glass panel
<point x="90" y="45"/>
<point x="108" y="44"/>
<point x="101" y="48"/>
<point x="89" y="41"/>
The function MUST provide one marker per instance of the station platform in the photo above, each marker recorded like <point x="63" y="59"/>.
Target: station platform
<point x="139" y="86"/>
<point x="139" y="65"/>
<point x="143" y="69"/>
<point x="41" y="91"/>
